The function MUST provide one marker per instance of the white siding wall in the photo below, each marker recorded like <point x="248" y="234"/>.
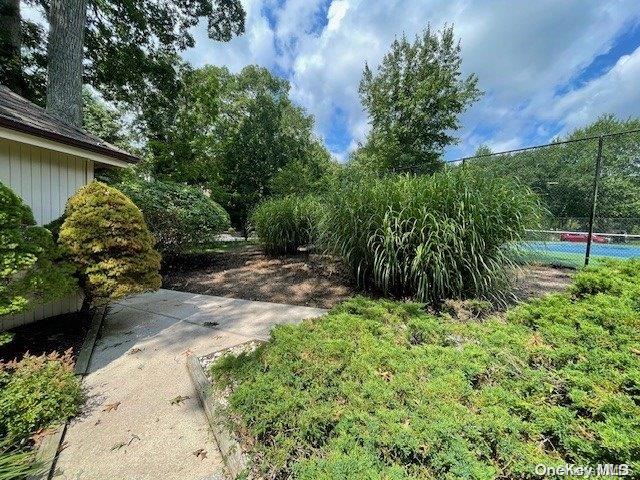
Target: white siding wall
<point x="45" y="179"/>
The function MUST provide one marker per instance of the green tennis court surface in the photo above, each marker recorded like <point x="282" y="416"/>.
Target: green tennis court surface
<point x="571" y="254"/>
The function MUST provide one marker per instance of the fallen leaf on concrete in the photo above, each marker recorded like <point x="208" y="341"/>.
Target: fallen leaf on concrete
<point x="201" y="453"/>
<point x="119" y="445"/>
<point x="111" y="407"/>
<point x="114" y="345"/>
<point x="41" y="434"/>
<point x="179" y="399"/>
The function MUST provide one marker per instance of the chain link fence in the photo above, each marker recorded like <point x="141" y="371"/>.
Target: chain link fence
<point x="590" y="188"/>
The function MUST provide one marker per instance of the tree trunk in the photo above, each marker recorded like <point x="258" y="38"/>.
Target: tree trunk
<point x="10" y="44"/>
<point x="67" y="19"/>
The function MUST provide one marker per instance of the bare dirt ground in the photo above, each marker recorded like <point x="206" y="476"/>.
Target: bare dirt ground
<point x="308" y="280"/>
<point x="56" y="334"/>
<point x="247" y="273"/>
<point x="538" y="280"/>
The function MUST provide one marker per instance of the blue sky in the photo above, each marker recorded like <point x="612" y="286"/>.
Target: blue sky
<point x="547" y="66"/>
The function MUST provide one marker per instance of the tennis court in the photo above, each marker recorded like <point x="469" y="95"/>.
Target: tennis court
<point x="573" y="253"/>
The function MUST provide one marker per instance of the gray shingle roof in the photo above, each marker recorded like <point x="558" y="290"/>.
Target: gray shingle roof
<point x="17" y="113"/>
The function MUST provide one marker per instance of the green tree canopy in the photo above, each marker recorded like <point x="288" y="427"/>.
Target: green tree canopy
<point x="312" y="175"/>
<point x="563" y="174"/>
<point x="414" y="101"/>
<point x="233" y="133"/>
<point x="105" y="121"/>
<point x="131" y="50"/>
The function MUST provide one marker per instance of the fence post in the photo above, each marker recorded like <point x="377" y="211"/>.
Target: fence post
<point x="594" y="200"/>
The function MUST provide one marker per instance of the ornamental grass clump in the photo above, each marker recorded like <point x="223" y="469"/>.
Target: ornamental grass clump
<point x="382" y="389"/>
<point x="181" y="217"/>
<point x="105" y="236"/>
<point x="445" y="236"/>
<point x="15" y="464"/>
<point x="31" y="270"/>
<point x="285" y="224"/>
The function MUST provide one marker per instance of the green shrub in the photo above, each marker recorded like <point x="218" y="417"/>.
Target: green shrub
<point x="610" y="276"/>
<point x="467" y="310"/>
<point x="35" y="393"/>
<point x="300" y="178"/>
<point x="30" y="268"/>
<point x="181" y="217"/>
<point x="105" y="236"/>
<point x="54" y="227"/>
<point x="381" y="389"/>
<point x="5" y="337"/>
<point x="430" y="237"/>
<point x="284" y="224"/>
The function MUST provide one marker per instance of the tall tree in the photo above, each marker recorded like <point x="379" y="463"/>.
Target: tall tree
<point x="23" y="53"/>
<point x="67" y="20"/>
<point x="134" y="43"/>
<point x="108" y="123"/>
<point x="10" y="45"/>
<point x="414" y="101"/>
<point x="131" y="48"/>
<point x="105" y="121"/>
<point x="233" y="134"/>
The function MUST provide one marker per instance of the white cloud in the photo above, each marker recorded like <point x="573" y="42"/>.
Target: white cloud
<point x="256" y="46"/>
<point x="521" y="51"/>
<point x="617" y="91"/>
<point x="337" y="11"/>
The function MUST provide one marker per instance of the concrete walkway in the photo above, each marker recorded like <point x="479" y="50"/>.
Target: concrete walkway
<point x="142" y="419"/>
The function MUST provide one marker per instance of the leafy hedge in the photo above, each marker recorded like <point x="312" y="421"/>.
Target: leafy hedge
<point x="430" y="237"/>
<point x="35" y="393"/>
<point x="30" y="267"/>
<point x="380" y="389"/>
<point x="181" y="217"/>
<point x="284" y="224"/>
<point x="104" y="234"/>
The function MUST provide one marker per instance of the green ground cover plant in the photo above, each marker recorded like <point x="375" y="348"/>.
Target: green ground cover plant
<point x="382" y="389"/>
<point x="181" y="217"/>
<point x="285" y="224"/>
<point x="31" y="270"/>
<point x="430" y="237"/>
<point x="35" y="393"/>
<point x="105" y="236"/>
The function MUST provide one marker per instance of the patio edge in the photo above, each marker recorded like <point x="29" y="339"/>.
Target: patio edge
<point x="233" y="457"/>
<point x="49" y="448"/>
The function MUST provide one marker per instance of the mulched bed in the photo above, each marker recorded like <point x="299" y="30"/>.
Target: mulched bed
<point x="308" y="280"/>
<point x="246" y="272"/>
<point x="536" y="280"/>
<point x="56" y="334"/>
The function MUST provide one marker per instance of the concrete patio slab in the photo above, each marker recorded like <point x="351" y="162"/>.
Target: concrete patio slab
<point x="142" y="419"/>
